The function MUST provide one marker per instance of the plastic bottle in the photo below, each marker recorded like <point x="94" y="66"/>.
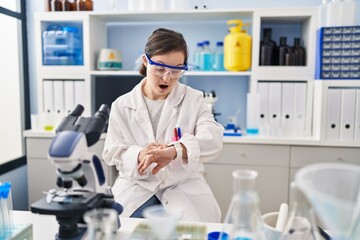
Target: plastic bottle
<point x="300" y="53"/>
<point x="219" y="57"/>
<point x="243" y="221"/>
<point x="206" y="57"/>
<point x="237" y="47"/>
<point x="197" y="55"/>
<point x="267" y="49"/>
<point x="283" y="49"/>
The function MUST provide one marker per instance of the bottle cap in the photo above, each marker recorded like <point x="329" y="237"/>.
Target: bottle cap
<point x="219" y="44"/>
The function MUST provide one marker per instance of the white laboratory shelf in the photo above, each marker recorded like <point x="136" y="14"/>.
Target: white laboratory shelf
<point x="189" y="73"/>
<point x="307" y="141"/>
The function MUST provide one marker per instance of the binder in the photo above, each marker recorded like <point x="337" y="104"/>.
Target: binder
<point x="48" y="96"/>
<point x="274" y="108"/>
<point x="333" y="114"/>
<point x="58" y="96"/>
<point x="357" y="116"/>
<point x="287" y="108"/>
<point x="300" y="90"/>
<point x="347" y="121"/>
<point x="263" y="90"/>
<point x="79" y="87"/>
<point x="69" y="96"/>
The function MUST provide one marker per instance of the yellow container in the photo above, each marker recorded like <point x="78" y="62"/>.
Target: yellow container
<point x="237" y="47"/>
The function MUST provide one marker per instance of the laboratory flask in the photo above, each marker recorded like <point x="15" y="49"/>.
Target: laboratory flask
<point x="243" y="219"/>
<point x="301" y="223"/>
<point x="237" y="47"/>
<point x="101" y="224"/>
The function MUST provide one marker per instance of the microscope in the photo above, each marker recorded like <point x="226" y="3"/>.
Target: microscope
<point x="69" y="152"/>
<point x="210" y="99"/>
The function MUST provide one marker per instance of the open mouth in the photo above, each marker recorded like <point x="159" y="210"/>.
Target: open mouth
<point x="163" y="86"/>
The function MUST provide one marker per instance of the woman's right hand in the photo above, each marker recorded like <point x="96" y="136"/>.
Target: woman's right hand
<point x="145" y="159"/>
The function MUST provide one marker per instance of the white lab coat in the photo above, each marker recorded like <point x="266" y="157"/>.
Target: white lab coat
<point x="180" y="185"/>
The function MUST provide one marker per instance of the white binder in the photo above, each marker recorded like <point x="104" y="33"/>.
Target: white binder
<point x="48" y="96"/>
<point x="58" y="96"/>
<point x="287" y="108"/>
<point x="69" y="94"/>
<point x="300" y="90"/>
<point x="274" y="108"/>
<point x="347" y="121"/>
<point x="333" y="114"/>
<point x="357" y="116"/>
<point x="79" y="87"/>
<point x="263" y="90"/>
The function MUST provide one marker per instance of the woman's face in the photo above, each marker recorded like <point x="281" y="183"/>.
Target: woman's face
<point x="158" y="87"/>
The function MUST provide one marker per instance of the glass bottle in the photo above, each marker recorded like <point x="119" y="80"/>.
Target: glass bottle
<point x="69" y="5"/>
<point x="56" y="5"/>
<point x="267" y="48"/>
<point x="85" y="5"/>
<point x="299" y="51"/>
<point x="283" y="49"/>
<point x="197" y="55"/>
<point x="301" y="220"/>
<point x="243" y="219"/>
<point x="218" y="64"/>
<point x="206" y="57"/>
<point x="290" y="58"/>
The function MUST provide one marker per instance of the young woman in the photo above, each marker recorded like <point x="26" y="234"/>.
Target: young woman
<point x="160" y="134"/>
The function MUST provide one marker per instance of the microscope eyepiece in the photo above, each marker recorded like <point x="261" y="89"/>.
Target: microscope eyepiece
<point x="103" y="112"/>
<point x="79" y="109"/>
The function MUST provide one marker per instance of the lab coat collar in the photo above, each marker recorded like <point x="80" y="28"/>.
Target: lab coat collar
<point x="137" y="103"/>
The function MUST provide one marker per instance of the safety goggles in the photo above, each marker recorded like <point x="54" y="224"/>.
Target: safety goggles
<point x="159" y="69"/>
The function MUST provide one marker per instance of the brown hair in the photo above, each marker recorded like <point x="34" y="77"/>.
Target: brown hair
<point x="164" y="41"/>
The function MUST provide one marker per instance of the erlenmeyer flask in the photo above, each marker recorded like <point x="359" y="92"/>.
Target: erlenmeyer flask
<point x="301" y="224"/>
<point x="243" y="219"/>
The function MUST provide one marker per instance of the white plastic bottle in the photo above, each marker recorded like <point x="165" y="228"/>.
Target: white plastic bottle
<point x="348" y="17"/>
<point x="206" y="57"/>
<point x="334" y="13"/>
<point x="323" y="13"/>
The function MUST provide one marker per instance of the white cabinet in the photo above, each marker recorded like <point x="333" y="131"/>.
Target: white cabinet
<point x="270" y="161"/>
<point x="42" y="173"/>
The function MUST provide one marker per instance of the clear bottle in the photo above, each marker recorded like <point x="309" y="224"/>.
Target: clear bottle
<point x="243" y="219"/>
<point x="197" y="55"/>
<point x="301" y="220"/>
<point x="206" y="57"/>
<point x="102" y="224"/>
<point x="218" y="64"/>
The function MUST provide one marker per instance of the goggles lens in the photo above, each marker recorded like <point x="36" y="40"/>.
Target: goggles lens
<point x="160" y="70"/>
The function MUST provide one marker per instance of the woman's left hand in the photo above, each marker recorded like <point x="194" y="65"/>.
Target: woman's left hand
<point x="161" y="155"/>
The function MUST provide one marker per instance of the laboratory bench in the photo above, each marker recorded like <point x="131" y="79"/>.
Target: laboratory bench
<point x="275" y="159"/>
<point x="44" y="227"/>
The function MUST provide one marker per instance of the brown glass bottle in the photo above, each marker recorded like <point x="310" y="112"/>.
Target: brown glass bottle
<point x="56" y="5"/>
<point x="267" y="48"/>
<point x="69" y="5"/>
<point x="300" y="53"/>
<point x="283" y="49"/>
<point x="85" y="5"/>
<point x="290" y="58"/>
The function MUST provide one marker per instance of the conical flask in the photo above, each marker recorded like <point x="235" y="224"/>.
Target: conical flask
<point x="301" y="223"/>
<point x="243" y="219"/>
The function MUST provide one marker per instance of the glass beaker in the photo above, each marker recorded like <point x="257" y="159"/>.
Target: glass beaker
<point x="243" y="219"/>
<point x="301" y="221"/>
<point x="101" y="224"/>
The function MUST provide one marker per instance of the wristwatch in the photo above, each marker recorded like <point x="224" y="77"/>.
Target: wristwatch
<point x="178" y="148"/>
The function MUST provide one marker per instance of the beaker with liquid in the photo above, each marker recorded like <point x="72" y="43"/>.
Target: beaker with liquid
<point x="243" y="219"/>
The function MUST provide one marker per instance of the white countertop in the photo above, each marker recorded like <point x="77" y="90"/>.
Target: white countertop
<point x="45" y="226"/>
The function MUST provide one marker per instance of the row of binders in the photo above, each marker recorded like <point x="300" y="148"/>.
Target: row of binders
<point x="343" y="114"/>
<point x="61" y="96"/>
<point x="282" y="109"/>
